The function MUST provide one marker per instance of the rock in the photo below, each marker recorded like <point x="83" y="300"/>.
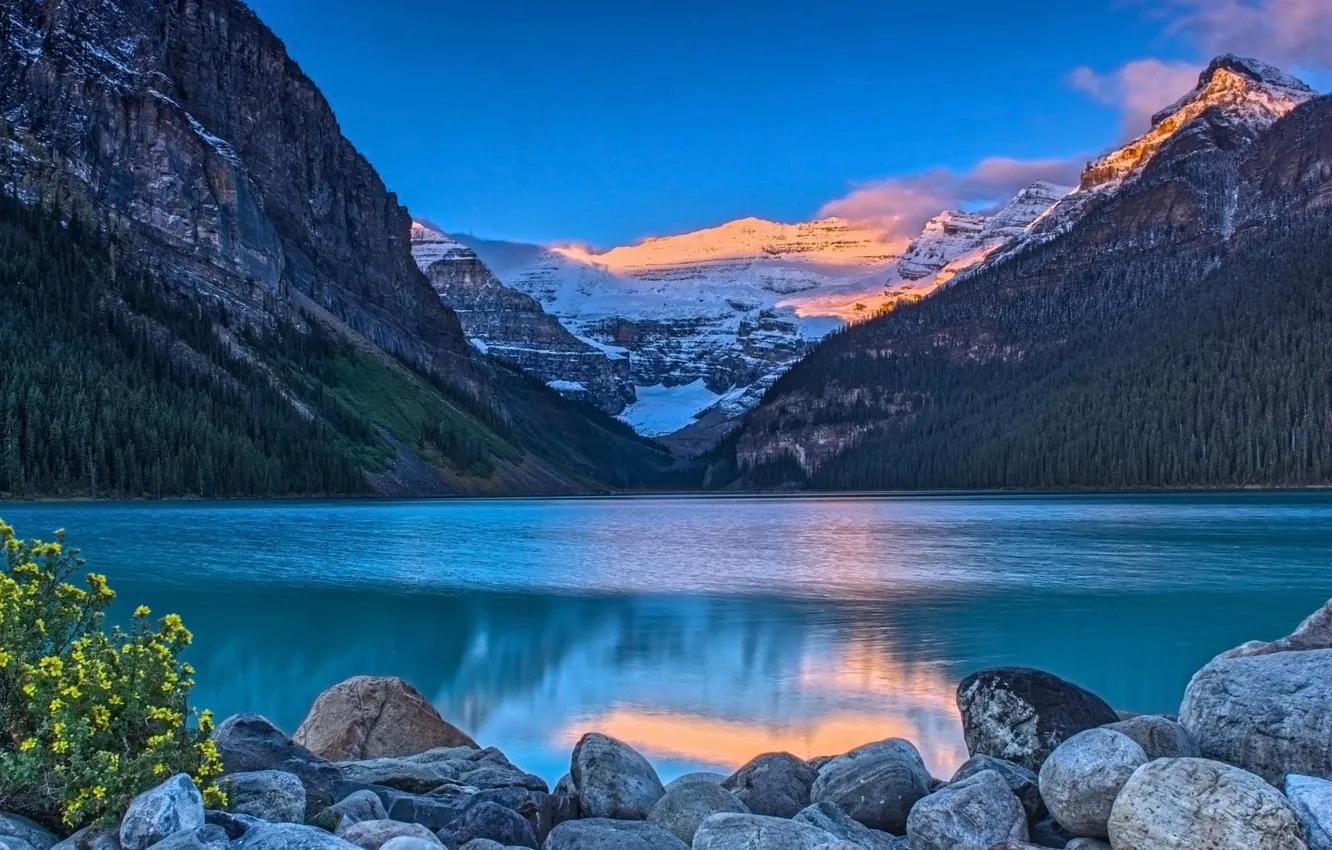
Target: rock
<point x="156" y="813"/>
<point x="698" y="776"/>
<point x="1087" y="844"/>
<point x="372" y="834"/>
<point x="1048" y="833"/>
<point x="1023" y="782"/>
<point x="272" y="795"/>
<point x="249" y="742"/>
<point x="207" y="837"/>
<point x="1199" y="804"/>
<point x="774" y="784"/>
<point x="565" y="786"/>
<point x="1021" y="714"/>
<point x="877" y="784"/>
<point x="729" y="831"/>
<point x="832" y="820"/>
<point x="109" y="840"/>
<point x="407" y="842"/>
<point x="12" y="842"/>
<point x="977" y="811"/>
<point x="489" y="820"/>
<point x="608" y="834"/>
<point x="1082" y="777"/>
<point x="424" y="772"/>
<point x="481" y="844"/>
<point x="234" y="825"/>
<point x="613" y="780"/>
<point x="1314" y="633"/>
<point x="17" y="826"/>
<point x="682" y="810"/>
<point x="290" y="836"/>
<point x="1160" y="737"/>
<point x="1312" y="800"/>
<point x="369" y="717"/>
<point x="1269" y="713"/>
<point x="354" y="808"/>
<point x="439" y="810"/>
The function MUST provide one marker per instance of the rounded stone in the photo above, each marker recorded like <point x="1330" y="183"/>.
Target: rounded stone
<point x="608" y="834"/>
<point x="698" y="776"/>
<point x="489" y="820"/>
<point x="682" y="810"/>
<point x="1160" y="737"/>
<point x="613" y="780"/>
<point x="876" y="784"/>
<point x="980" y="810"/>
<point x="368" y="717"/>
<point x="773" y="784"/>
<point x="373" y="834"/>
<point x="1023" y="782"/>
<point x="1082" y="777"/>
<point x="758" y="832"/>
<point x="174" y="805"/>
<point x="271" y="795"/>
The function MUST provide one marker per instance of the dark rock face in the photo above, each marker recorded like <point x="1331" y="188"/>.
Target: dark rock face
<point x="1021" y="715"/>
<point x="188" y="122"/>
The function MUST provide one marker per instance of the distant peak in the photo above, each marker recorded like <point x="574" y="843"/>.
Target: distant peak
<point x="1256" y="80"/>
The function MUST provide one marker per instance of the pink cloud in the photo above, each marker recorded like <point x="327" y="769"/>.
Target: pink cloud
<point x="1138" y="89"/>
<point x="1294" y="34"/>
<point x="902" y="205"/>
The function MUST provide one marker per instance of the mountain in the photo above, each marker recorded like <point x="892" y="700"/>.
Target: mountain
<point x="1166" y="324"/>
<point x="228" y="233"/>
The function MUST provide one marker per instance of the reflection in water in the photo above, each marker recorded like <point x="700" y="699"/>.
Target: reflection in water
<point x="707" y="631"/>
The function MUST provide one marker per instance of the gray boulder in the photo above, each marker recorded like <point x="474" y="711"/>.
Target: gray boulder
<point x="1312" y="800"/>
<point x="1087" y="844"/>
<point x="876" y="784"/>
<point x="1160" y="737"/>
<point x="233" y="824"/>
<point x="978" y="811"/>
<point x="697" y="776"/>
<point x="17" y="826"/>
<point x="565" y="786"/>
<point x="608" y="834"/>
<point x="479" y="844"/>
<point x="682" y="810"/>
<point x="372" y="834"/>
<point x="1048" y="833"/>
<point x="1021" y="715"/>
<point x="369" y="717"/>
<point x="441" y="808"/>
<point x="729" y="831"/>
<point x="156" y="813"/>
<point x="1082" y="777"/>
<point x="207" y="837"/>
<point x="774" y="784"/>
<point x="290" y="836"/>
<point x="492" y="821"/>
<point x="613" y="780"/>
<point x="407" y="842"/>
<point x="424" y="772"/>
<point x="1199" y="804"/>
<point x="272" y="795"/>
<point x="832" y="820"/>
<point x="250" y="742"/>
<point x="1023" y="782"/>
<point x="86" y="839"/>
<point x="11" y="842"/>
<point x="356" y="807"/>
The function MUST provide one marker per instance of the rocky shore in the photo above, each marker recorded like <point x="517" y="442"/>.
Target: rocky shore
<point x="1245" y="765"/>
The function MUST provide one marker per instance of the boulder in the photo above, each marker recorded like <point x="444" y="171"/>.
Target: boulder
<point x="1312" y="800"/>
<point x="1314" y="633"/>
<point x="565" y="786"/>
<point x="250" y="742"/>
<point x="492" y="821"/>
<point x="12" y="842"/>
<point x="1021" y="715"/>
<point x="481" y="844"/>
<point x="370" y="717"/>
<point x="774" y="784"/>
<point x="1048" y="833"/>
<point x="697" y="776"/>
<point x="445" y="805"/>
<point x="407" y="842"/>
<point x="1087" y="844"/>
<point x="424" y="772"/>
<point x="877" y="784"/>
<point x="613" y="780"/>
<point x="271" y="795"/>
<point x="356" y="807"/>
<point x="17" y="826"/>
<point x="372" y="834"/>
<point x="832" y="820"/>
<point x="608" y="834"/>
<point x="1199" y="804"/>
<point x="290" y="836"/>
<point x="729" y="831"/>
<point x="207" y="837"/>
<point x="1022" y="781"/>
<point x="233" y="824"/>
<point x="87" y="839"/>
<point x="156" y="813"/>
<point x="978" y="811"/>
<point x="1160" y="737"/>
<point x="1082" y="777"/>
<point x="1269" y="713"/>
<point x="682" y="810"/>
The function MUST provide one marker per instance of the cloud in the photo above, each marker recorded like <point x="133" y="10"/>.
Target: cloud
<point x="1138" y="89"/>
<point x="1293" y="34"/>
<point x="902" y="205"/>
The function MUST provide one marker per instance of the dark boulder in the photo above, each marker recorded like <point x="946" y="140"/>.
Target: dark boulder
<point x="774" y="784"/>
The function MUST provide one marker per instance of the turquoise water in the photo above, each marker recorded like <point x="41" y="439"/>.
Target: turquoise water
<point x="706" y="630"/>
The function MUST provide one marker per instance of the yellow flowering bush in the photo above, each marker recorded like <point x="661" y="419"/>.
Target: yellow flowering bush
<point x="89" y="717"/>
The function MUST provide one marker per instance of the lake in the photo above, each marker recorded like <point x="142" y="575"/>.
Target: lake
<point x="707" y="630"/>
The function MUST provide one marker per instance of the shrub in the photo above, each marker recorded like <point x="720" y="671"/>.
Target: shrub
<point x="88" y="717"/>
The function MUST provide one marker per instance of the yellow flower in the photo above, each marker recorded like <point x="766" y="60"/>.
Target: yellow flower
<point x="60" y="747"/>
<point x="4" y="658"/>
<point x="56" y="705"/>
<point x="28" y="744"/>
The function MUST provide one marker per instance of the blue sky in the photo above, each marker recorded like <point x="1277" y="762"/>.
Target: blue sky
<point x="603" y="122"/>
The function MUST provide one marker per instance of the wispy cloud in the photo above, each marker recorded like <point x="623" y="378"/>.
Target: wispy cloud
<point x="1294" y="34"/>
<point x="902" y="205"/>
<point x="1138" y="89"/>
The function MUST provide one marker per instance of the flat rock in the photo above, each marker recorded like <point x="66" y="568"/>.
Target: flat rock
<point x="426" y="771"/>
<point x="290" y="836"/>
<point x="977" y="811"/>
<point x="17" y="826"/>
<point x="369" y="717"/>
<point x="697" y="776"/>
<point x="373" y="834"/>
<point x="831" y="819"/>
<point x="489" y="820"/>
<point x="774" y="784"/>
<point x="250" y="742"/>
<point x="876" y="784"/>
<point x="156" y="813"/>
<point x="1312" y="800"/>
<point x="683" y="809"/>
<point x="1159" y="736"/>
<point x="729" y="831"/>
<point x="272" y="795"/>
<point x="608" y="834"/>
<point x="613" y="780"/>
<point x="1199" y="804"/>
<point x="1023" y="782"/>
<point x="1082" y="777"/>
<point x="1021" y="714"/>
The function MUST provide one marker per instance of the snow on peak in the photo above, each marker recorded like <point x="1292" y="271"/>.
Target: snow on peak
<point x="430" y="246"/>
